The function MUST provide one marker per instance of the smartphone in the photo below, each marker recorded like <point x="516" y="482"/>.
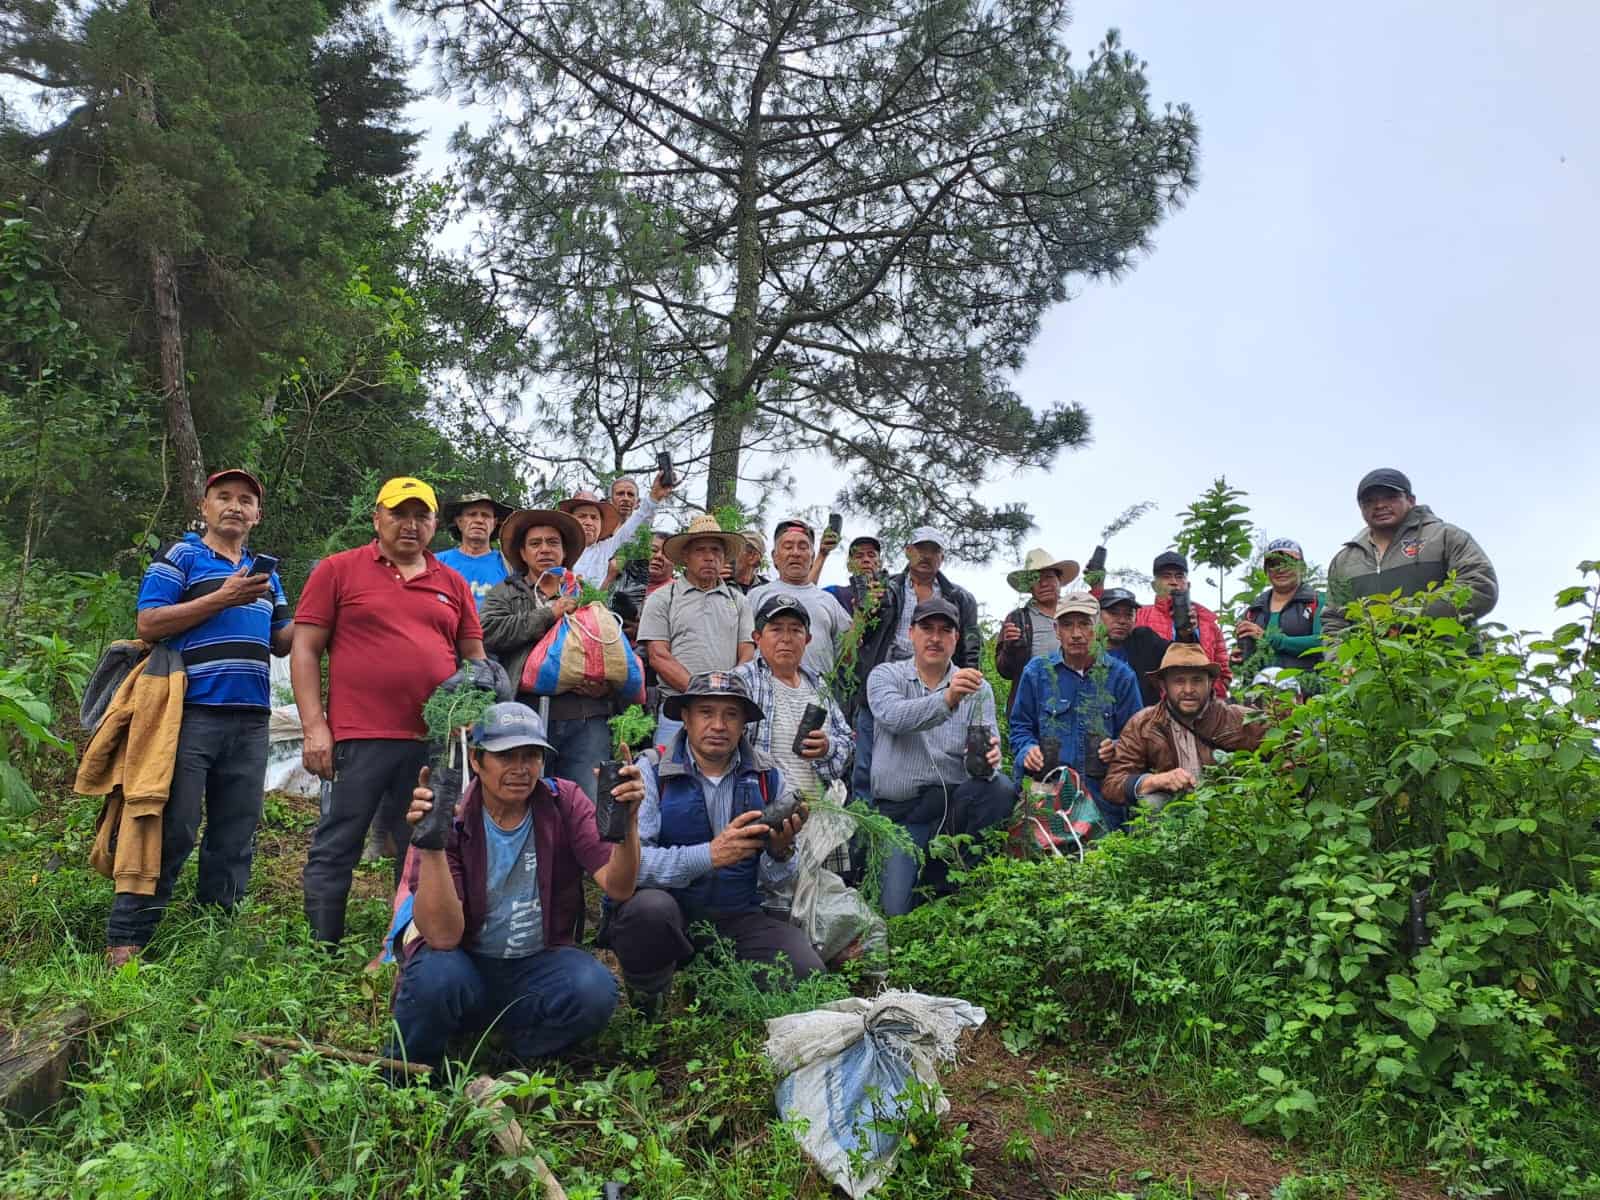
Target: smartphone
<point x="664" y="469"/>
<point x="836" y="522"/>
<point x="265" y="564"/>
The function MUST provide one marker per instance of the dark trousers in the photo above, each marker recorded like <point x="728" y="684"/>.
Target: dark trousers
<point x="372" y="780"/>
<point x="543" y="1003"/>
<point x="969" y="807"/>
<point x="222" y="761"/>
<point x="861" y="772"/>
<point x="581" y="746"/>
<point x="649" y="935"/>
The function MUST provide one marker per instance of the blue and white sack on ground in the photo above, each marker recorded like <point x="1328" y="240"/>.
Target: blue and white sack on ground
<point x="845" y="1064"/>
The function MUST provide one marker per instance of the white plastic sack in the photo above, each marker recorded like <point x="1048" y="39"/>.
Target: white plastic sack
<point x="845" y="1064"/>
<point x="285" y="736"/>
<point x="831" y="914"/>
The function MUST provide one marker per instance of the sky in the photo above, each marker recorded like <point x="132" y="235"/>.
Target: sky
<point x="1389" y="261"/>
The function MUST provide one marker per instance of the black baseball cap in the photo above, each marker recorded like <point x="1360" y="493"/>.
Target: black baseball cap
<point x="864" y="539"/>
<point x="1111" y="597"/>
<point x="936" y="606"/>
<point x="1170" y="558"/>
<point x="782" y="604"/>
<point x="1383" y="477"/>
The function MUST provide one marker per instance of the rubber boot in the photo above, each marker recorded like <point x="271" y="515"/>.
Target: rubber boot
<point x="326" y="919"/>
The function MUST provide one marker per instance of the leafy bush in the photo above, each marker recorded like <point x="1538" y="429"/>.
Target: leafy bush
<point x="1392" y="909"/>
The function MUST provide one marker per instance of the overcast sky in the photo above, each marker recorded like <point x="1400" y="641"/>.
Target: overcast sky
<point x="1390" y="260"/>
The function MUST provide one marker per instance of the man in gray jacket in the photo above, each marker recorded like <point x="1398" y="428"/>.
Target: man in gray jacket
<point x="1404" y="548"/>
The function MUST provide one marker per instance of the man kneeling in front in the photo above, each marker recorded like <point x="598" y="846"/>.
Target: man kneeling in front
<point x="495" y="909"/>
<point x="707" y="855"/>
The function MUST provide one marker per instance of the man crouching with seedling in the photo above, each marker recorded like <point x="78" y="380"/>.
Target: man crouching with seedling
<point x="496" y="897"/>
<point x="718" y="824"/>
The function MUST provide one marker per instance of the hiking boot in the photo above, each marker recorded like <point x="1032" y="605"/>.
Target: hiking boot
<point x="118" y="957"/>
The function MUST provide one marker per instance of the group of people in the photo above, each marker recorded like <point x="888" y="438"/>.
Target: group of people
<point x="766" y="691"/>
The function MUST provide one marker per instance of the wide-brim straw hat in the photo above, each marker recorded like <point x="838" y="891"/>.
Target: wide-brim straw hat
<point x="703" y="526"/>
<point x="451" y="511"/>
<point x="516" y="526"/>
<point x="1036" y="563"/>
<point x="610" y="518"/>
<point x="1184" y="654"/>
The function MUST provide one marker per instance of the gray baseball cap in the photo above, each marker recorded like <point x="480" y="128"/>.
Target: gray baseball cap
<point x="508" y="725"/>
<point x="925" y="533"/>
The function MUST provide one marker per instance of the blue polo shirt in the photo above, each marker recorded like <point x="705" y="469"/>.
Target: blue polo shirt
<point x="481" y="571"/>
<point x="225" y="657"/>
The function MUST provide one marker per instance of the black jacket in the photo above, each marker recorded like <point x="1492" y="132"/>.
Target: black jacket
<point x="877" y="644"/>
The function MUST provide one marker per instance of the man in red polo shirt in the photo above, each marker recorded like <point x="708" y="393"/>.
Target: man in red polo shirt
<point x="393" y="620"/>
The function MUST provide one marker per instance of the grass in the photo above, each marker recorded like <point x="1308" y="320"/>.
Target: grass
<point x="167" y="1104"/>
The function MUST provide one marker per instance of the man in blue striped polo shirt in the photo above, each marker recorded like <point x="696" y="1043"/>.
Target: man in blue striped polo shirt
<point x="202" y="597"/>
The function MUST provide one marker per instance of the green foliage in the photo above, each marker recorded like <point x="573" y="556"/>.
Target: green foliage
<point x="1262" y="928"/>
<point x="751" y="992"/>
<point x="631" y="727"/>
<point x="448" y="709"/>
<point x="1216" y="531"/>
<point x="673" y="296"/>
<point x="639" y="548"/>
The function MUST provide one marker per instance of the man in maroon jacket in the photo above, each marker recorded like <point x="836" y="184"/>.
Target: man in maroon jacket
<point x="494" y="911"/>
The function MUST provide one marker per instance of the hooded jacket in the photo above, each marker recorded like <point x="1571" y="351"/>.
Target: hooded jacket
<point x="1424" y="550"/>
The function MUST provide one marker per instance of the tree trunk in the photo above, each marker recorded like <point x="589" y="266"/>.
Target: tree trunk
<point x="731" y="408"/>
<point x="169" y="335"/>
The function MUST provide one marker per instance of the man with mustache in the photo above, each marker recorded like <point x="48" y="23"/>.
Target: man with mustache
<point x="1403" y="547"/>
<point x="392" y="620"/>
<point x="1164" y="750"/>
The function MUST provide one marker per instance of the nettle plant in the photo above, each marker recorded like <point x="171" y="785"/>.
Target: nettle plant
<point x="1432" y="817"/>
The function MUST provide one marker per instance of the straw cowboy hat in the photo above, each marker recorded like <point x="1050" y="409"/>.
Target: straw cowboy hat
<point x="516" y="527"/>
<point x="451" y="511"/>
<point x="703" y="526"/>
<point x="1184" y="654"/>
<point x="610" y="518"/>
<point x="1037" y="562"/>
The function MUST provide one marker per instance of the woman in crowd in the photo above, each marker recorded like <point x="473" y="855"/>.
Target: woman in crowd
<point x="1283" y="626"/>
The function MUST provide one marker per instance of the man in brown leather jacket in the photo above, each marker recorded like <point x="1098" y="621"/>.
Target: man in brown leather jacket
<point x="1163" y="750"/>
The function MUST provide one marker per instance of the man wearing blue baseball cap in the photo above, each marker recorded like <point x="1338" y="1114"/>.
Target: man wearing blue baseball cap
<point x="1403" y="547"/>
<point x="486" y="920"/>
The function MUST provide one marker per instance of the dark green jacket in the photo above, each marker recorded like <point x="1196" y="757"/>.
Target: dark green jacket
<point x="1425" y="550"/>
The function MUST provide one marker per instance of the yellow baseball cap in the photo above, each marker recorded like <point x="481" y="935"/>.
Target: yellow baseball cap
<point x="402" y="488"/>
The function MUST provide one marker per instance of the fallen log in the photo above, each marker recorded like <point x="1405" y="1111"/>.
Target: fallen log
<point x="270" y="1041"/>
<point x="35" y="1061"/>
<point x="509" y="1134"/>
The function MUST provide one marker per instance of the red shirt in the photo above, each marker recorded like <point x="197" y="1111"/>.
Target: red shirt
<point x="391" y="640"/>
<point x="1158" y="616"/>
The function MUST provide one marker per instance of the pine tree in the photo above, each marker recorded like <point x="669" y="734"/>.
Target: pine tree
<point x="806" y="225"/>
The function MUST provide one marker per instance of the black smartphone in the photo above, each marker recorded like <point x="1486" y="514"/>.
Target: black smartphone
<point x="836" y="522"/>
<point x="265" y="564"/>
<point x="664" y="469"/>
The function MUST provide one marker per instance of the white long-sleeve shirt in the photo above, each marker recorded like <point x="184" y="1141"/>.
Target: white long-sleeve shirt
<point x="595" y="561"/>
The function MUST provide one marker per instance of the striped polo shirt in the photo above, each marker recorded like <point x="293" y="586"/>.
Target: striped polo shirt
<point x="226" y="656"/>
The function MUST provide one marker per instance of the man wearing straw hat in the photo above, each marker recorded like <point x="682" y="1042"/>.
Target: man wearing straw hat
<point x="699" y="622"/>
<point x="1164" y="750"/>
<point x="604" y="529"/>
<point x="1030" y="631"/>
<point x="539" y="546"/>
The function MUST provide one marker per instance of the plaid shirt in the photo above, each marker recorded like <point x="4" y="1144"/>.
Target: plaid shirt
<point x="757" y="676"/>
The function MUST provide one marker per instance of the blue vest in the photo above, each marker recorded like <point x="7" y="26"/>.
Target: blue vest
<point x="734" y="889"/>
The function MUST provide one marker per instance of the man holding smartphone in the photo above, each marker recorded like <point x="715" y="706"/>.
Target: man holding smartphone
<point x="223" y="610"/>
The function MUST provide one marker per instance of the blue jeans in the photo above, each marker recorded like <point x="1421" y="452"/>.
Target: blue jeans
<point x="969" y="807"/>
<point x="581" y="745"/>
<point x="222" y="760"/>
<point x="861" y="773"/>
<point x="543" y="1003"/>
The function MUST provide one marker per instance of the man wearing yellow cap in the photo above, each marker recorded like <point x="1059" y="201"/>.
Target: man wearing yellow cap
<point x="392" y="620"/>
